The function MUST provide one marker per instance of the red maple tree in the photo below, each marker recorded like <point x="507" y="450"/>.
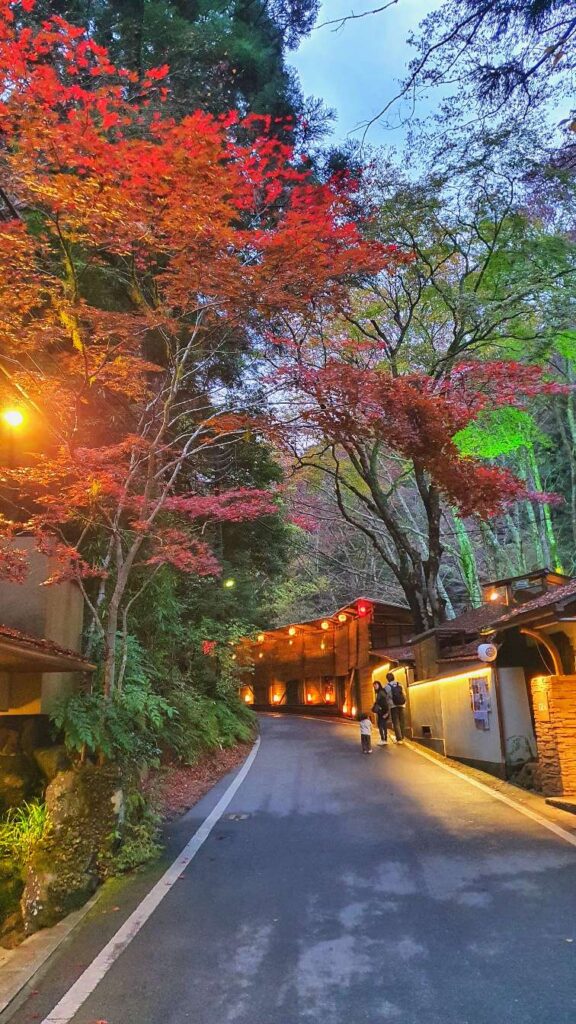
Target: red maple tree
<point x="372" y="432"/>
<point x="136" y="251"/>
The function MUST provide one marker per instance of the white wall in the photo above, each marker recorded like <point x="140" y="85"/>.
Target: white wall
<point x="445" y="706"/>
<point x="519" y="736"/>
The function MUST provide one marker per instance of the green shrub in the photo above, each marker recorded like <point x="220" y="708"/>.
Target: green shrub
<point x="203" y="723"/>
<point x="127" y="728"/>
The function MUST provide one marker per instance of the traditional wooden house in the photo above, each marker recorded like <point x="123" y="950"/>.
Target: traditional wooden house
<point x="496" y="686"/>
<point x="40" y="639"/>
<point x="327" y="665"/>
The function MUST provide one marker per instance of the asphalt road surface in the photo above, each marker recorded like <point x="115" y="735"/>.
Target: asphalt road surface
<point x="340" y="888"/>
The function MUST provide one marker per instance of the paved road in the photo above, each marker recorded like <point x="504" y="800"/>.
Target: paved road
<point x="351" y="889"/>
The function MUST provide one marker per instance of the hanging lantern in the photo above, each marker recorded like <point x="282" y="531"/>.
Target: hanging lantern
<point x="342" y="617"/>
<point x="363" y="608"/>
<point x="292" y="631"/>
<point x="324" y="624"/>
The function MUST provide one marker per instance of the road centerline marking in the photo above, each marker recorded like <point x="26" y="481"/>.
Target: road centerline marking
<point x="83" y="987"/>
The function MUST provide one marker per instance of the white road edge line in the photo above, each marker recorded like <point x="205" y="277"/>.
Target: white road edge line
<point x="568" y="837"/>
<point x="557" y="829"/>
<point x="77" y="995"/>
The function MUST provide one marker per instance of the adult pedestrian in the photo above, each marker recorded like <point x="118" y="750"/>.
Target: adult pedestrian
<point x="381" y="709"/>
<point x="396" y="699"/>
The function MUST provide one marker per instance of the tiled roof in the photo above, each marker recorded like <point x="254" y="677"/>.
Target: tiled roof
<point x="473" y="620"/>
<point x="41" y="644"/>
<point x="404" y="653"/>
<point x="385" y="601"/>
<point x="556" y="595"/>
<point x="461" y="652"/>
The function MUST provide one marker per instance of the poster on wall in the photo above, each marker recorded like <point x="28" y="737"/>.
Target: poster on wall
<point x="480" y="701"/>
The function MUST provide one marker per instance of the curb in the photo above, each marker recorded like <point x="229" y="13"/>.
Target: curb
<point x="20" y="966"/>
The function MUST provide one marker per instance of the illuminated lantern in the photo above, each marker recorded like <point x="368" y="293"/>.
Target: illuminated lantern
<point x="247" y="698"/>
<point x="353" y="712"/>
<point x="261" y="655"/>
<point x="322" y="646"/>
<point x="290" y="642"/>
<point x="345" y="709"/>
<point x="260" y="638"/>
<point x="276" y="698"/>
<point x="309" y="698"/>
<point x="325" y="624"/>
<point x="494" y="595"/>
<point x="362" y="608"/>
<point x="342" y="617"/>
<point x="292" y="631"/>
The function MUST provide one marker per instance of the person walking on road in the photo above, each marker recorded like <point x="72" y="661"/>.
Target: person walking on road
<point x="396" y="699"/>
<point x="366" y="734"/>
<point x="381" y="709"/>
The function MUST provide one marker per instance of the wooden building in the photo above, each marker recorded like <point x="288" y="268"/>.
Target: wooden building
<point x="514" y="702"/>
<point x="327" y="665"/>
<point x="40" y="638"/>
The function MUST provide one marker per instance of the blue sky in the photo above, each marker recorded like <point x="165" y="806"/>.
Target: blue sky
<point x="356" y="69"/>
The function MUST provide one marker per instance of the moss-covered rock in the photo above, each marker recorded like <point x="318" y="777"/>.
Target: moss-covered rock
<point x="19" y="780"/>
<point x="51" y="761"/>
<point x="11" y="886"/>
<point x="85" y="807"/>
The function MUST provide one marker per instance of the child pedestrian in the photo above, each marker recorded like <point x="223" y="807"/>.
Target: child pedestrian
<point x="366" y="734"/>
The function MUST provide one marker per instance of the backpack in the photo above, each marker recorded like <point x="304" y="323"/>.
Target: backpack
<point x="398" y="695"/>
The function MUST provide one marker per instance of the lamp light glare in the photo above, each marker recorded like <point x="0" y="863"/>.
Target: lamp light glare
<point x="247" y="699"/>
<point x="229" y="583"/>
<point x="13" y="417"/>
<point x="260" y="638"/>
<point x="276" y="698"/>
<point x="342" y="617"/>
<point x="292" y="631"/>
<point x="362" y="609"/>
<point x="344" y="709"/>
<point x="353" y="712"/>
<point x="309" y="698"/>
<point x="322" y="645"/>
<point x="494" y="595"/>
<point x="325" y="624"/>
<point x="261" y="655"/>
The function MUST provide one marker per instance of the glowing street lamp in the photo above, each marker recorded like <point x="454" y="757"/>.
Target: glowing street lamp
<point x="13" y="418"/>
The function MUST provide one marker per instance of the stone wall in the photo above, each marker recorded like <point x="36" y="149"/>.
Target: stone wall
<point x="554" y="702"/>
